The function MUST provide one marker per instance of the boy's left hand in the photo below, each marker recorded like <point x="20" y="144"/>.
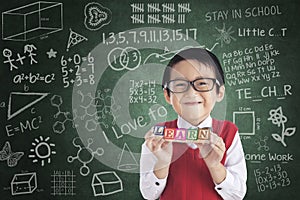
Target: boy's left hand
<point x="212" y="152"/>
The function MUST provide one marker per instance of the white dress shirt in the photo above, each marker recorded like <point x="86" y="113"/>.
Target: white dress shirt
<point x="233" y="187"/>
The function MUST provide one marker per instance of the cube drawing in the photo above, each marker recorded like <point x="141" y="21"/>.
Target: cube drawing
<point x="106" y="183"/>
<point x="32" y="20"/>
<point x="23" y="183"/>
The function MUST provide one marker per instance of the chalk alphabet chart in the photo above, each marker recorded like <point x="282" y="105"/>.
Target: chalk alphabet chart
<point x="80" y="86"/>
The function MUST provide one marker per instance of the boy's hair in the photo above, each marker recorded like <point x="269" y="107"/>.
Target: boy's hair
<point x="201" y="55"/>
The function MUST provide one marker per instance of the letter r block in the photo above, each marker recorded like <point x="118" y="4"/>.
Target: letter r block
<point x="192" y="134"/>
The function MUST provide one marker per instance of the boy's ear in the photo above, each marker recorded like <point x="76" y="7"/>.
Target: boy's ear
<point x="221" y="93"/>
<point x="167" y="96"/>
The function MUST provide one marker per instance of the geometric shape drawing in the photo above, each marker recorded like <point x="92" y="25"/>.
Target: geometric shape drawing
<point x="239" y="118"/>
<point x="11" y="157"/>
<point x="74" y="39"/>
<point x="32" y="97"/>
<point x="96" y="16"/>
<point x="42" y="150"/>
<point x="31" y="21"/>
<point x="127" y="160"/>
<point x="106" y="183"/>
<point x="23" y="183"/>
<point x="85" y="155"/>
<point x="51" y="53"/>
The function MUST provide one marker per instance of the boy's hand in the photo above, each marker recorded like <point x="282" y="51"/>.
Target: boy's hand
<point x="160" y="148"/>
<point x="212" y="152"/>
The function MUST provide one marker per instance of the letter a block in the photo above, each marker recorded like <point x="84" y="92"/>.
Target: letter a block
<point x="180" y="134"/>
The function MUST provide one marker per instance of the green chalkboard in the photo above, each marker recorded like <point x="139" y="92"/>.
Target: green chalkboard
<point x="81" y="85"/>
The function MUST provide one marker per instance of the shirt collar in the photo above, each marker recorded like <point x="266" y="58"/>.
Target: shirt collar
<point x="181" y="123"/>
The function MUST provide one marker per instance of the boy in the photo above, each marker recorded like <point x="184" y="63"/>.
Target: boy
<point x="193" y="82"/>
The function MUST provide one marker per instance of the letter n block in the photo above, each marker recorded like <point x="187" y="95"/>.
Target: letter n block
<point x="169" y="133"/>
<point x="204" y="134"/>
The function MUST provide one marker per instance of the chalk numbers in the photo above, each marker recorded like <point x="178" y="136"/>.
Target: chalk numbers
<point x="73" y="73"/>
<point x="142" y="92"/>
<point x="148" y="36"/>
<point x="270" y="178"/>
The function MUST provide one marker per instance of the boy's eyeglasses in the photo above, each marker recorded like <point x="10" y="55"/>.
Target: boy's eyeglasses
<point x="200" y="85"/>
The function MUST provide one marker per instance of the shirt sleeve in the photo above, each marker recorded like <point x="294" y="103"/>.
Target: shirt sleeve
<point x="234" y="185"/>
<point x="150" y="186"/>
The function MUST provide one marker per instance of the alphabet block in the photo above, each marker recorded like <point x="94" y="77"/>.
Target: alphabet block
<point x="169" y="133"/>
<point x="180" y="134"/>
<point x="158" y="130"/>
<point x="196" y="135"/>
<point x="192" y="134"/>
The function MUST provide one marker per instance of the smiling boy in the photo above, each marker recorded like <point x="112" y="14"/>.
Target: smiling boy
<point x="193" y="82"/>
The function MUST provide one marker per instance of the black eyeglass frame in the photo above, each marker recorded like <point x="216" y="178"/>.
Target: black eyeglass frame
<point x="191" y="83"/>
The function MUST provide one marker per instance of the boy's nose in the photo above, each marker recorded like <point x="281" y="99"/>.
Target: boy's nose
<point x="191" y="91"/>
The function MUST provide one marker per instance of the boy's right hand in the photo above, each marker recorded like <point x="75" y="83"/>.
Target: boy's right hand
<point x="161" y="148"/>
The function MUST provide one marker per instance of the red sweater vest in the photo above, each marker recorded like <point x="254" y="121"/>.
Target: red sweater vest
<point x="189" y="177"/>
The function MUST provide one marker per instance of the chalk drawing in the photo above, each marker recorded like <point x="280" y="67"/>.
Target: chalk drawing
<point x="51" y="53"/>
<point x="33" y="21"/>
<point x="42" y="150"/>
<point x="12" y="158"/>
<point x="85" y="155"/>
<point x="277" y="118"/>
<point x="24" y="183"/>
<point x="106" y="183"/>
<point x="96" y="16"/>
<point x="224" y="35"/>
<point x="74" y="39"/>
<point x="127" y="160"/>
<point x="39" y="97"/>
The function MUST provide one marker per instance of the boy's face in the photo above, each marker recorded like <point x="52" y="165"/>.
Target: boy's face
<point x="191" y="105"/>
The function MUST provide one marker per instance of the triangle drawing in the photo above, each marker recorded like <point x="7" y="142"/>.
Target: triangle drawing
<point x="27" y="100"/>
<point x="74" y="39"/>
<point x="127" y="160"/>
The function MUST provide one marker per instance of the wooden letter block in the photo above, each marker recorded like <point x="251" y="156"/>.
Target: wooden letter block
<point x="204" y="134"/>
<point x="192" y="134"/>
<point x="180" y="134"/>
<point x="169" y="133"/>
<point x="158" y="130"/>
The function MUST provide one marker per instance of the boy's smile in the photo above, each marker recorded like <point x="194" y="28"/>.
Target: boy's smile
<point x="191" y="105"/>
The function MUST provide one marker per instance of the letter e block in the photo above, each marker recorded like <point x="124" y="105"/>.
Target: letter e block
<point x="169" y="133"/>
